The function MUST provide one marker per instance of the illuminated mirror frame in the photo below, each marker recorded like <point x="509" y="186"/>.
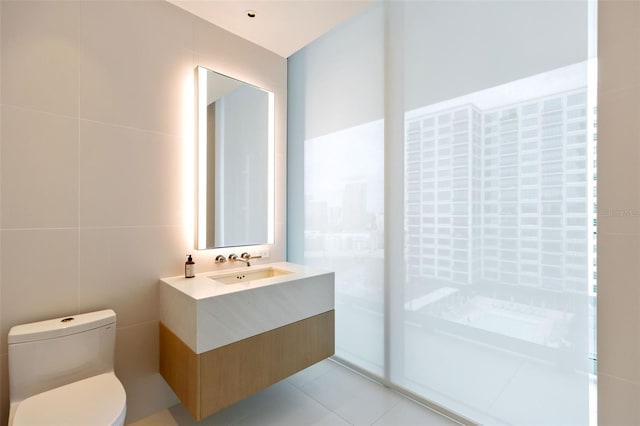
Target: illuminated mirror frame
<point x="201" y="161"/>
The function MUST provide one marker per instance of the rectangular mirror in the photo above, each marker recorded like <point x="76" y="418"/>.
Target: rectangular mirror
<point x="235" y="162"/>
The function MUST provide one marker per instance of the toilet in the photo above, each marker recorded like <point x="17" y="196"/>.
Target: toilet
<point x="61" y="372"/>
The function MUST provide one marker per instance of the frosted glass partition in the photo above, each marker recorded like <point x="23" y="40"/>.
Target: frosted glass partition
<point x="336" y="150"/>
<point x="498" y="303"/>
<point x="499" y="230"/>
<point x="461" y="222"/>
<point x="344" y="231"/>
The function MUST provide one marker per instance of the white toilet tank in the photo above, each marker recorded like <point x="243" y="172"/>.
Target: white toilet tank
<point x="49" y="354"/>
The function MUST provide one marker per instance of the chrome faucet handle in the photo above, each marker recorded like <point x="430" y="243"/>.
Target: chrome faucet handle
<point x="221" y="259"/>
<point x="234" y="257"/>
<point x="247" y="256"/>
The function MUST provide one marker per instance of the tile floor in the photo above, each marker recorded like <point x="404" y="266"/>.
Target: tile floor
<point x="325" y="394"/>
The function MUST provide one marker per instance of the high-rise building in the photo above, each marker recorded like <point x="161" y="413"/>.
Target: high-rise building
<point x="443" y="183"/>
<point x="500" y="195"/>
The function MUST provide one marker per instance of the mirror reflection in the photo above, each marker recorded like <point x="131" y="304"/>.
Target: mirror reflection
<point x="235" y="124"/>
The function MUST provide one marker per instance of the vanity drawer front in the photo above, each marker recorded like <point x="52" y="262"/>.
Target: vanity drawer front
<point x="210" y="381"/>
<point x="235" y="371"/>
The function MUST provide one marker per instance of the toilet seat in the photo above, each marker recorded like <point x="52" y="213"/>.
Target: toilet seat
<point x="98" y="401"/>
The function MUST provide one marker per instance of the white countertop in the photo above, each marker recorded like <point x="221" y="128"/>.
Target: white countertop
<point x="207" y="314"/>
<point x="204" y="285"/>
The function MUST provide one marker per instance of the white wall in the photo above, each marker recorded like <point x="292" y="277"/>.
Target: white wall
<point x="97" y="165"/>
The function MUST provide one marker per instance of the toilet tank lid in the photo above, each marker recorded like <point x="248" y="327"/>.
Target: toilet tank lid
<point x="62" y="326"/>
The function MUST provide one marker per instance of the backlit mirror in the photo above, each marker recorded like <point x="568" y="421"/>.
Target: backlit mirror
<point x="235" y="162"/>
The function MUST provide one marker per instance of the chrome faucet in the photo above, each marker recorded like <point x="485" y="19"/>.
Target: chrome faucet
<point x="244" y="257"/>
<point x="234" y="257"/>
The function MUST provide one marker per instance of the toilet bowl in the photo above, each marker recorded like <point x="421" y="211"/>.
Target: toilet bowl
<point x="61" y="372"/>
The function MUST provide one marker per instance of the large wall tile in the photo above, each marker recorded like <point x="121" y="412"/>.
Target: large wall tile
<point x="39" y="276"/>
<point x="40" y="55"/>
<point x="618" y="44"/>
<point x="617" y="402"/>
<point x="120" y="268"/>
<point x="619" y="161"/>
<point x="137" y="350"/>
<point x="147" y="395"/>
<point x="618" y="212"/>
<point x="131" y="76"/>
<point x="4" y="388"/>
<point x="618" y="299"/>
<point x="129" y="177"/>
<point x="39" y="173"/>
<point x="137" y="368"/>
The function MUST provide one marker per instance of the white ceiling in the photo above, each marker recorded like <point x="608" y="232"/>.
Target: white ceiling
<point x="282" y="26"/>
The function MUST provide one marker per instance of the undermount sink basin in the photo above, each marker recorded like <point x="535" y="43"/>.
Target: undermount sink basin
<point x="249" y="275"/>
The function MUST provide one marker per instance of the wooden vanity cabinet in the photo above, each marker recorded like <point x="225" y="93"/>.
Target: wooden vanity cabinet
<point x="210" y="381"/>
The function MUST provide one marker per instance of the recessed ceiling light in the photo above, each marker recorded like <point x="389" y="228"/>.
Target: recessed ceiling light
<point x="251" y="13"/>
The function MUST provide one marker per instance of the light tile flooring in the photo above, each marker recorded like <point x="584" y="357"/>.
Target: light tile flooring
<point x="325" y="394"/>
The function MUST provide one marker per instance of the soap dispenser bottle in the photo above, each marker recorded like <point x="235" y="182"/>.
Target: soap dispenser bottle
<point x="189" y="267"/>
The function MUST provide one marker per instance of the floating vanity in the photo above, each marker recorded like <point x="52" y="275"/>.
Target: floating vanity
<point x="227" y="335"/>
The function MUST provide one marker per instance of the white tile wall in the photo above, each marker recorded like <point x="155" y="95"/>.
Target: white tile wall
<point x="96" y="130"/>
<point x="619" y="336"/>
<point x="39" y="172"/>
<point x="618" y="45"/>
<point x="39" y="275"/>
<point x="128" y="197"/>
<point x="618" y="212"/>
<point x="40" y="56"/>
<point x="133" y="58"/>
<point x="617" y="401"/>
<point x="618" y="131"/>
